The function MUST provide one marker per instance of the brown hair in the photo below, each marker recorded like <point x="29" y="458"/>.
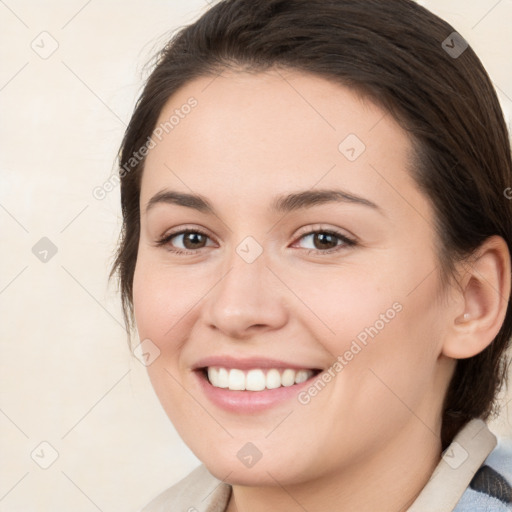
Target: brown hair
<point x="393" y="53"/>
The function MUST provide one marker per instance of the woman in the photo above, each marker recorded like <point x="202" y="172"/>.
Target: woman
<point x="316" y="256"/>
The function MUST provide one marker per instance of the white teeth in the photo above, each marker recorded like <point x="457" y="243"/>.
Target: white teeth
<point x="273" y="379"/>
<point x="236" y="380"/>
<point x="288" y="378"/>
<point x="218" y="375"/>
<point x="223" y="378"/>
<point x="256" y="379"/>
<point x="213" y="374"/>
<point x="302" y="376"/>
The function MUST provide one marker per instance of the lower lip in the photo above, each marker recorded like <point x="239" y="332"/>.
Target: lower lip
<point x="249" y="401"/>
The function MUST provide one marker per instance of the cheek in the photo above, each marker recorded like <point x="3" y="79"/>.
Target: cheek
<point x="383" y="328"/>
<point x="164" y="313"/>
<point x="341" y="303"/>
<point x="164" y="301"/>
<point x="394" y="304"/>
<point x="152" y="314"/>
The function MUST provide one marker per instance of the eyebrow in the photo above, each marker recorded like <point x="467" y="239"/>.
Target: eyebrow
<point x="286" y="203"/>
<point x="309" y="198"/>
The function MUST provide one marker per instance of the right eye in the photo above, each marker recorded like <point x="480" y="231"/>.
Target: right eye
<point x="186" y="241"/>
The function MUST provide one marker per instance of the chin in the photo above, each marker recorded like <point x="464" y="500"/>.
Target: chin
<point x="233" y="472"/>
<point x="243" y="476"/>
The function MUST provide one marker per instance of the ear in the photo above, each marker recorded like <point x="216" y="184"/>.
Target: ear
<point x="482" y="300"/>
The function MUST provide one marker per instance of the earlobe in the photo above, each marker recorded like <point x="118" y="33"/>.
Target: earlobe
<point x="485" y="291"/>
<point x="463" y="319"/>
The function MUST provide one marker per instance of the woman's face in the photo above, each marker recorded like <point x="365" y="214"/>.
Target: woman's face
<point x="308" y="248"/>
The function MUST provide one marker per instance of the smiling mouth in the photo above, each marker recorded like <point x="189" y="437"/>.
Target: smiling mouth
<point x="256" y="379"/>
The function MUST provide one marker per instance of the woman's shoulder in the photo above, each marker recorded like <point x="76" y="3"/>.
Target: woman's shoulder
<point x="199" y="491"/>
<point x="491" y="487"/>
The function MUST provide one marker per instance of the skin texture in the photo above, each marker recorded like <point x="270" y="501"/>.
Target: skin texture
<point x="253" y="137"/>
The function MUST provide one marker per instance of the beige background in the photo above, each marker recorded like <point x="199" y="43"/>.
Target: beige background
<point x="67" y="376"/>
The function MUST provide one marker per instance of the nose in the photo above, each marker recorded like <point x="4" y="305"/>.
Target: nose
<point x="246" y="301"/>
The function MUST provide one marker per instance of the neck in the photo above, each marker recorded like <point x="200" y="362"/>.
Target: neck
<point x="389" y="480"/>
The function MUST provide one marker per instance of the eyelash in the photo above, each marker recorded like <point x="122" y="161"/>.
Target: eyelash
<point x="346" y="242"/>
<point x="166" y="239"/>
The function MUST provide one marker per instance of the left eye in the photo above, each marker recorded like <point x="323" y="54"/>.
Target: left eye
<point x="325" y="240"/>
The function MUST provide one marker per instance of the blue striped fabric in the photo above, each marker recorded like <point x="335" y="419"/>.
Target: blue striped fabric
<point x="491" y="487"/>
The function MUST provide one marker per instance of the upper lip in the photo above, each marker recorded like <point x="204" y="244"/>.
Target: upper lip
<point x="249" y="363"/>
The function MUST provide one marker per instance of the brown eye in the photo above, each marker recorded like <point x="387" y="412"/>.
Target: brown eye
<point x="193" y="240"/>
<point x="324" y="241"/>
<point x="186" y="240"/>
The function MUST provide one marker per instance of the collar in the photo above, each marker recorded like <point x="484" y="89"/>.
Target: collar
<point x="459" y="463"/>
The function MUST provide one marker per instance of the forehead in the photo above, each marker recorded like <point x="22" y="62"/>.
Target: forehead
<point x="251" y="135"/>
